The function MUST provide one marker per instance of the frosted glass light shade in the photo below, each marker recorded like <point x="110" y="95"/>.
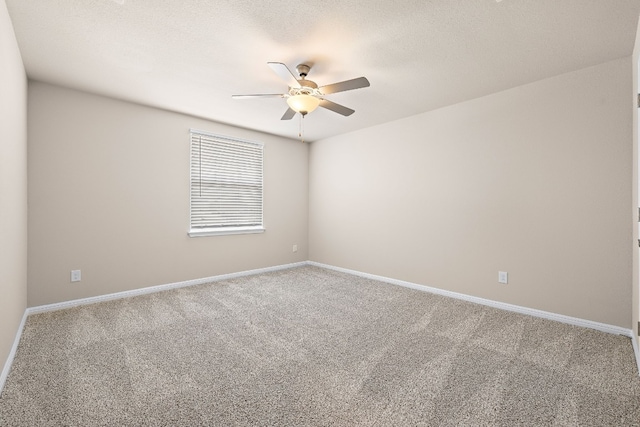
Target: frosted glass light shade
<point x="303" y="104"/>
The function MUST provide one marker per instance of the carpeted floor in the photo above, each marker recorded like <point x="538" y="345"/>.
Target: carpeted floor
<point x="314" y="347"/>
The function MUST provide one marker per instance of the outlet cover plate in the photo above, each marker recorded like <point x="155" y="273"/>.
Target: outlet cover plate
<point x="76" y="275"/>
<point x="503" y="277"/>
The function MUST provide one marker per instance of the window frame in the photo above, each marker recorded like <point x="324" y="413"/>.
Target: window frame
<point x="230" y="229"/>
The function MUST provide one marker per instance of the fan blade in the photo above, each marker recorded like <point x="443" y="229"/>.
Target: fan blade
<point x="284" y="73"/>
<point x="288" y="115"/>
<point x="260" y="95"/>
<point x="358" y="83"/>
<point x="340" y="109"/>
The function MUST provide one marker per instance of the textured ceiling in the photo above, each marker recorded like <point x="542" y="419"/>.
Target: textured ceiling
<point x="191" y="56"/>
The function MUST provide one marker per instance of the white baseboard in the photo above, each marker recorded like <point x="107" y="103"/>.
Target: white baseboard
<point x="12" y="353"/>
<point x="603" y="327"/>
<point x="159" y="288"/>
<point x="152" y="289"/>
<point x="125" y="294"/>
<point x="634" y="342"/>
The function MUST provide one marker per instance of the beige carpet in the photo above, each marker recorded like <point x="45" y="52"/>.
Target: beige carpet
<point x="313" y="347"/>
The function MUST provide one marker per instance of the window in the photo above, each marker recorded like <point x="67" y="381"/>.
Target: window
<point x="226" y="185"/>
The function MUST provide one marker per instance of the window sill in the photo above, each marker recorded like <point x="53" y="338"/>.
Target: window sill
<point x="204" y="232"/>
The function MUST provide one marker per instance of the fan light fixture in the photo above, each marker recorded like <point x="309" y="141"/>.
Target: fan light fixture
<point x="304" y="96"/>
<point x="303" y="103"/>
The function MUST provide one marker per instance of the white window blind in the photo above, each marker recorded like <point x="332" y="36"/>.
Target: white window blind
<point x="226" y="185"/>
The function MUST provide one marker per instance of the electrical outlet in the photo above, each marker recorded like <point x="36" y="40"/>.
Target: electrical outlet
<point x="503" y="277"/>
<point x="295" y="248"/>
<point x="76" y="275"/>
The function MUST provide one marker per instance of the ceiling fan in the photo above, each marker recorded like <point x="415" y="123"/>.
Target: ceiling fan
<point x="304" y="95"/>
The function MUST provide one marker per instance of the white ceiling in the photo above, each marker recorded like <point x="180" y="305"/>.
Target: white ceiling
<point x="190" y="56"/>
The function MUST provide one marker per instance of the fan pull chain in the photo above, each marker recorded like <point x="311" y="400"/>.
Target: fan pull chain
<point x="301" y="130"/>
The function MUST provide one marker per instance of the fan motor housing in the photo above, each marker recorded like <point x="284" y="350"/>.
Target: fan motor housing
<point x="307" y="87"/>
<point x="308" y="83"/>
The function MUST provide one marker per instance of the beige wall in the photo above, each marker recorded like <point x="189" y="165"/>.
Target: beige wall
<point x="13" y="186"/>
<point x="109" y="195"/>
<point x="535" y="181"/>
